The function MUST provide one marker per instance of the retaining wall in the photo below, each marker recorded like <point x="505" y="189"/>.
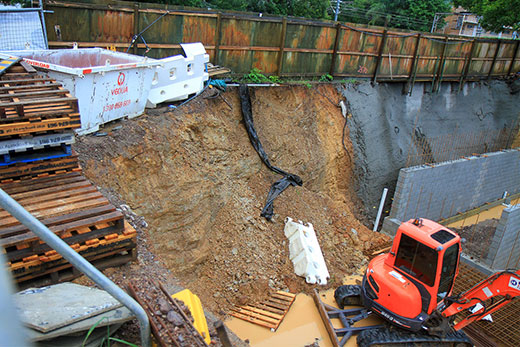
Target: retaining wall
<point x="504" y="252"/>
<point x="442" y="190"/>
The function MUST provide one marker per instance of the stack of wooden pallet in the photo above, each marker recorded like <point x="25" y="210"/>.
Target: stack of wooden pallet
<point x="36" y="120"/>
<point x="40" y="171"/>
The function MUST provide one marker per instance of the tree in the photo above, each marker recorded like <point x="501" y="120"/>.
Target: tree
<point x="407" y="14"/>
<point x="496" y="14"/>
<point x="299" y="8"/>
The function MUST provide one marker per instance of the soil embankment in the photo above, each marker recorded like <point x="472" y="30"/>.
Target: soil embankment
<point x="193" y="175"/>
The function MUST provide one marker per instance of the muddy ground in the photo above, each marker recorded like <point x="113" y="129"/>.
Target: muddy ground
<point x="192" y="175"/>
<point x="477" y="238"/>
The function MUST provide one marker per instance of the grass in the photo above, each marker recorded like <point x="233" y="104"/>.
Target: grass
<point x="107" y="339"/>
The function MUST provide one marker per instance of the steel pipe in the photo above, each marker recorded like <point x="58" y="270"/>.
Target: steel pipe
<point x="37" y="227"/>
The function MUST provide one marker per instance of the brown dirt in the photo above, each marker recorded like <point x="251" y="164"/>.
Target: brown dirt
<point x="478" y="238"/>
<point x="200" y="186"/>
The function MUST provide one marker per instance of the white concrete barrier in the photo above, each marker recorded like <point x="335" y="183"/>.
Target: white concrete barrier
<point x="305" y="252"/>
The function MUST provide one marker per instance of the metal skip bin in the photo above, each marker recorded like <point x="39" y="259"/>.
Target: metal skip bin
<point x="109" y="85"/>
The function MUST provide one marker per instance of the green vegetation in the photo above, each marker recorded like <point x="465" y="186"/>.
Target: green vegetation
<point x="406" y="14"/>
<point x="256" y="76"/>
<point x="496" y="14"/>
<point x="107" y="339"/>
<point x="326" y="78"/>
<point x="299" y="8"/>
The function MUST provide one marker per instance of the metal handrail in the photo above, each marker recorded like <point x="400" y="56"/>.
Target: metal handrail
<point x="37" y="227"/>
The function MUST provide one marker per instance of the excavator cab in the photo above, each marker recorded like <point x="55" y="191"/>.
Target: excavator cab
<point x="407" y="284"/>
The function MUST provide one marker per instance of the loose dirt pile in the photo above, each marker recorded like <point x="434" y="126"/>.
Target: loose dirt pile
<point x="193" y="175"/>
<point x="478" y="238"/>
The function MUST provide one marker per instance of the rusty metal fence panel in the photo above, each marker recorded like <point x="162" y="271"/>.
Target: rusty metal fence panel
<point x="282" y="46"/>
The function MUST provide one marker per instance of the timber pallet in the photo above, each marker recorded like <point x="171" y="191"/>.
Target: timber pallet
<point x="71" y="207"/>
<point x="101" y="257"/>
<point x="30" y="155"/>
<point x="214" y="70"/>
<point x="35" y="142"/>
<point x="40" y="167"/>
<point x="268" y="313"/>
<point x="32" y="104"/>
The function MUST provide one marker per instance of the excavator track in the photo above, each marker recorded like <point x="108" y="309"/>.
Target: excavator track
<point x="396" y="337"/>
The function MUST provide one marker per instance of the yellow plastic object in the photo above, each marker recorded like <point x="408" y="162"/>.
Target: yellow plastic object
<point x="193" y="302"/>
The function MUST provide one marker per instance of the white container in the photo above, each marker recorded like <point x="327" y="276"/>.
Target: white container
<point x="109" y="85"/>
<point x="305" y="252"/>
<point x="179" y="76"/>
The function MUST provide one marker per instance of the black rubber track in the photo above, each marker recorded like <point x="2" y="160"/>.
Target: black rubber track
<point x="348" y="295"/>
<point x="397" y="337"/>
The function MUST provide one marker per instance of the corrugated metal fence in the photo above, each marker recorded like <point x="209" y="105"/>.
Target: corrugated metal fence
<point x="283" y="46"/>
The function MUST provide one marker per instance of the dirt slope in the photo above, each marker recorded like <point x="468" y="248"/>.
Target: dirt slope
<point x="195" y="178"/>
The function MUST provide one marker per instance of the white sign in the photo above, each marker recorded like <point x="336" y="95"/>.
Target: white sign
<point x="514" y="283"/>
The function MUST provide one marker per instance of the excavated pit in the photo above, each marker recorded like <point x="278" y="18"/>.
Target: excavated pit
<point x="193" y="175"/>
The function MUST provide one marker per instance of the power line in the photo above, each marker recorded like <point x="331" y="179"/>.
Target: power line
<point x="356" y="12"/>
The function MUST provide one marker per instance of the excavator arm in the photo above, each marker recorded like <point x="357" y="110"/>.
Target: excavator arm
<point x="504" y="285"/>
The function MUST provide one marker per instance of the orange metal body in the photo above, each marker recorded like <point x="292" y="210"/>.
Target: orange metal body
<point x="415" y="279"/>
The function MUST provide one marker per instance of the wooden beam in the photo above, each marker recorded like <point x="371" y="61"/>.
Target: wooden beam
<point x="136" y="25"/>
<point x="413" y="65"/>
<point x="282" y="47"/>
<point x="335" y="51"/>
<point x="218" y="31"/>
<point x="380" y="55"/>
<point x="467" y="66"/>
<point x="494" y="59"/>
<point x="515" y="54"/>
<point x="436" y="81"/>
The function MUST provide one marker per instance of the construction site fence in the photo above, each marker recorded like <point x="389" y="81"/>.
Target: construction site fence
<point x="279" y="45"/>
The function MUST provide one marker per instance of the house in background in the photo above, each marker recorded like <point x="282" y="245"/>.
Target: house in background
<point x="464" y="23"/>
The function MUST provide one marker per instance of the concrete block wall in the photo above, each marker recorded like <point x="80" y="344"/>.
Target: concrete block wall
<point x="444" y="189"/>
<point x="504" y="251"/>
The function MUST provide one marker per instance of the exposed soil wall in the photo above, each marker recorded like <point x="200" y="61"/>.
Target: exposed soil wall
<point x="195" y="178"/>
<point x="383" y="122"/>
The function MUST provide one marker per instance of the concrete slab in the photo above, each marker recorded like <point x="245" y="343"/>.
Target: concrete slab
<point x="95" y="338"/>
<point x="116" y="316"/>
<point x="49" y="308"/>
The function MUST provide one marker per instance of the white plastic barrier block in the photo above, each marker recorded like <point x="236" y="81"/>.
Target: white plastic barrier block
<point x="179" y="76"/>
<point x="305" y="252"/>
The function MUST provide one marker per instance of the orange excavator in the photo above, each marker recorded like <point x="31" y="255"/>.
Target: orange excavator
<point x="411" y="288"/>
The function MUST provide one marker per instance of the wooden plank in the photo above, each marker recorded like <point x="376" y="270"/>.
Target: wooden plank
<point x="253" y="320"/>
<point x="218" y="34"/>
<point x="60" y="210"/>
<point x="26" y="86"/>
<point x="44" y="125"/>
<point x="510" y="70"/>
<point x="38" y="167"/>
<point x="59" y="220"/>
<point x="83" y="190"/>
<point x="262" y="313"/>
<point x="494" y="59"/>
<point x="68" y="227"/>
<point x="39" y="102"/>
<point x="255" y="315"/>
<point x="325" y="319"/>
<point x="33" y="94"/>
<point x="282" y="46"/>
<point x="37" y="208"/>
<point x="43" y="183"/>
<point x="267" y="308"/>
<point x="332" y="69"/>
<point x="380" y="56"/>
